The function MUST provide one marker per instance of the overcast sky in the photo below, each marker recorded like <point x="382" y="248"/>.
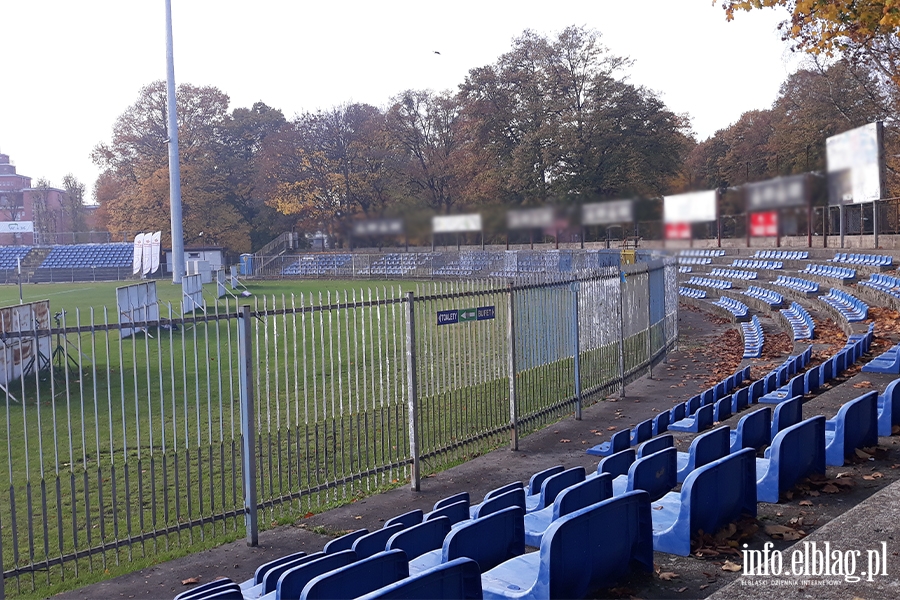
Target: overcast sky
<point x="71" y="68"/>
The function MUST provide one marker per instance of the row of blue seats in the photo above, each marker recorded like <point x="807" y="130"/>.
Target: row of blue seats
<point x="84" y="256"/>
<point x="11" y="255"/>
<point x="800" y="320"/>
<point x="782" y="254"/>
<point x="691" y="292"/>
<point x="733" y="273"/>
<point x="693" y="260"/>
<point x="718" y="284"/>
<point x="770" y="297"/>
<point x="885" y="283"/>
<point x="869" y="260"/>
<point x="829" y="271"/>
<point x="318" y="265"/>
<point x="851" y="308"/>
<point x="887" y="362"/>
<point x="796" y="283"/>
<point x="702" y="253"/>
<point x="746" y="263"/>
<point x="738" y="309"/>
<point x="685" y="269"/>
<point x="753" y="337"/>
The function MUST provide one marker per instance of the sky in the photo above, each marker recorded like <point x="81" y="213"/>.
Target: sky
<point x="73" y="67"/>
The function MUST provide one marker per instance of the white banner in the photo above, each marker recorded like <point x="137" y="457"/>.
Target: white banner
<point x="693" y="207"/>
<point x="137" y="303"/>
<point x="154" y="251"/>
<point x="16" y="226"/>
<point x="854" y="161"/>
<point x="607" y="213"/>
<point x="456" y="223"/>
<point x="138" y="253"/>
<point x="145" y="257"/>
<point x="23" y="355"/>
<point x="530" y="218"/>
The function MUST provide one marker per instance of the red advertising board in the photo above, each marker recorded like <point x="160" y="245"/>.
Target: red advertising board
<point x="764" y="224"/>
<point x="678" y="231"/>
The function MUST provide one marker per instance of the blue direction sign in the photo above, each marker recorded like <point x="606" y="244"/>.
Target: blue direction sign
<point x="485" y="313"/>
<point x="448" y="317"/>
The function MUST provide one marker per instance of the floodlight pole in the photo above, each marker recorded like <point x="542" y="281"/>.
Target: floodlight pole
<point x="174" y="168"/>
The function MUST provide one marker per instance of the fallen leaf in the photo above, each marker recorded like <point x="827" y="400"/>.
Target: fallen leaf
<point x="660" y="507"/>
<point x="668" y="576"/>
<point x="830" y="489"/>
<point x="611" y="428"/>
<point x="863" y="384"/>
<point x="190" y="581"/>
<point x="308" y="515"/>
<point x="564" y="441"/>
<point x="805" y="503"/>
<point x="357" y="518"/>
<point x="863" y="455"/>
<point x="732" y="567"/>
<point x="680" y="590"/>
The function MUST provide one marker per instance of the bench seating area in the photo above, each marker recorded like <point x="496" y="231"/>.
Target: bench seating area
<point x="753" y="337"/>
<point x="732" y="273"/>
<point x="691" y="292"/>
<point x="749" y="263"/>
<point x="693" y="260"/>
<point x="868" y="260"/>
<point x="887" y="362"/>
<point x="842" y="273"/>
<point x="86" y="256"/>
<point x="850" y="307"/>
<point x="320" y="265"/>
<point x="883" y="283"/>
<point x="770" y="297"/>
<point x="782" y="254"/>
<point x="10" y="255"/>
<point x="738" y="309"/>
<point x="800" y="320"/>
<point x="795" y="283"/>
<point x="705" y="253"/>
<point x="685" y="269"/>
<point x="717" y="284"/>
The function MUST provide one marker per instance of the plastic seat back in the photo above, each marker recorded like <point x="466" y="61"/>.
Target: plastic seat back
<point x="489" y="540"/>
<point x="856" y="425"/>
<point x="345" y="542"/>
<point x="594" y="547"/>
<point x="262" y="569"/>
<point x="704" y="417"/>
<point x="292" y="581"/>
<point x="211" y="587"/>
<point x="462" y="496"/>
<point x="707" y="397"/>
<point x="515" y="497"/>
<point x="740" y="399"/>
<point x="358" y="578"/>
<point x="655" y="474"/>
<point x="719" y="492"/>
<point x="459" y="578"/>
<point x="655" y="445"/>
<point x="454" y="512"/>
<point x="811" y="380"/>
<point x="787" y="413"/>
<point x="552" y="486"/>
<point x="375" y="542"/>
<point x="515" y="485"/>
<point x="661" y="422"/>
<point x="757" y="390"/>
<point x="692" y="406"/>
<point x="797" y="452"/>
<point x="678" y="412"/>
<point x="618" y="463"/>
<point x="642" y="432"/>
<point x="755" y="429"/>
<point x="536" y="480"/>
<point x="710" y="446"/>
<point x="581" y="495"/>
<point x="723" y="409"/>
<point x="407" y="519"/>
<point x="419" y="539"/>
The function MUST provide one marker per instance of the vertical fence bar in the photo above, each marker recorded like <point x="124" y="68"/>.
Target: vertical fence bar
<point x="576" y="349"/>
<point x="248" y="432"/>
<point x="621" y="312"/>
<point x="511" y="370"/>
<point x="414" y="475"/>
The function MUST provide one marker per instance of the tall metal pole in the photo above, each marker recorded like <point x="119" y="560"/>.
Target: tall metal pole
<point x="174" y="168"/>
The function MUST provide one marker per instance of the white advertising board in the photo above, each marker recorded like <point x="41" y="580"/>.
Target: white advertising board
<point x="693" y="207"/>
<point x="855" y="165"/>
<point x="192" y="294"/>
<point x="137" y="304"/>
<point x="456" y="223"/>
<point x="16" y="226"/>
<point x="530" y="218"/>
<point x="607" y="213"/>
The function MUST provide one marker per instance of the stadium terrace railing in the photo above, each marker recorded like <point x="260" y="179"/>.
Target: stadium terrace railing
<point x="204" y="425"/>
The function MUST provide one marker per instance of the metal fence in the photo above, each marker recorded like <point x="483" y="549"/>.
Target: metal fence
<point x="207" y="426"/>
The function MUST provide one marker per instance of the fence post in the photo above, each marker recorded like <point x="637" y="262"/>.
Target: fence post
<point x="574" y="287"/>
<point x="248" y="427"/>
<point x="649" y="325"/>
<point x="511" y="356"/>
<point x="622" y="330"/>
<point x="413" y="400"/>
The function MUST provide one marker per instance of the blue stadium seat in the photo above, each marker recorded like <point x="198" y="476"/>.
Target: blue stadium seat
<point x="581" y="495"/>
<point x="796" y="452"/>
<point x="456" y="579"/>
<point x="358" y="578"/>
<point x="753" y="430"/>
<point x="704" y="449"/>
<point x="854" y="426"/>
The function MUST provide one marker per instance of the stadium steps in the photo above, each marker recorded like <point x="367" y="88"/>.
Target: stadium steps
<point x="33" y="260"/>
